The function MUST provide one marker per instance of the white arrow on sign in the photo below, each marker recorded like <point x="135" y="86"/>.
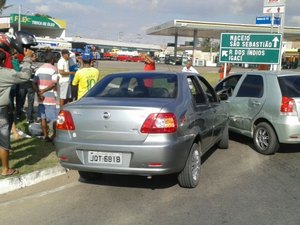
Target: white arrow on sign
<point x="224" y="53"/>
<point x="275" y="40"/>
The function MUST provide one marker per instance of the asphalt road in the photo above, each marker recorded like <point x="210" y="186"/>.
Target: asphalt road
<point x="238" y="187"/>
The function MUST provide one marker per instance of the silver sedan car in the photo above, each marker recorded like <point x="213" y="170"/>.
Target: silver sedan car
<point x="142" y="123"/>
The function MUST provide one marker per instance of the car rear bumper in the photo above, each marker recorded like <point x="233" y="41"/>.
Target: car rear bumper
<point x="288" y="133"/>
<point x="143" y="159"/>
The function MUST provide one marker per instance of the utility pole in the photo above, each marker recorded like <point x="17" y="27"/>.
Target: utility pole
<point x="19" y="17"/>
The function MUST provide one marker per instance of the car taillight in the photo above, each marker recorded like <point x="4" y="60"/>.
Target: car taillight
<point x="287" y="105"/>
<point x="160" y="123"/>
<point x="65" y="121"/>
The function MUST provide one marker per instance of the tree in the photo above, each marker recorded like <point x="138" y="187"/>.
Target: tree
<point x="3" y="6"/>
<point x="43" y="15"/>
<point x="207" y="45"/>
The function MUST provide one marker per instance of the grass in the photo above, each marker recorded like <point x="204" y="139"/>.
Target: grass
<point x="212" y="78"/>
<point x="106" y="71"/>
<point x="32" y="154"/>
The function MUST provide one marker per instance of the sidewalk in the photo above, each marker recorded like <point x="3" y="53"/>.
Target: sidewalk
<point x="25" y="180"/>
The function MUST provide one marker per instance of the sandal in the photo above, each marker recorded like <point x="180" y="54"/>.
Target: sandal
<point x="47" y="139"/>
<point x="10" y="172"/>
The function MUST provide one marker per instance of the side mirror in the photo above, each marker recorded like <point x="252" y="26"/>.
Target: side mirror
<point x="223" y="96"/>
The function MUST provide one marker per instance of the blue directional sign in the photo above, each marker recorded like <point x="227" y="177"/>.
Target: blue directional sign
<point x="267" y="20"/>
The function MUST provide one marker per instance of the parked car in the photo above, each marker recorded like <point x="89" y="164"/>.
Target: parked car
<point x="264" y="106"/>
<point x="125" y="58"/>
<point x="136" y="58"/>
<point x="142" y="123"/>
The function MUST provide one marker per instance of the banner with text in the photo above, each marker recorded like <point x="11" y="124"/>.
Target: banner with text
<point x="37" y="21"/>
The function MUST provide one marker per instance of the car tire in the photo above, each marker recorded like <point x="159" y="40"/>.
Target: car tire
<point x="89" y="176"/>
<point x="189" y="177"/>
<point x="265" y="139"/>
<point x="224" y="142"/>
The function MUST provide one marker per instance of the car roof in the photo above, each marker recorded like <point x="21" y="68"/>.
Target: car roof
<point x="277" y="73"/>
<point x="154" y="73"/>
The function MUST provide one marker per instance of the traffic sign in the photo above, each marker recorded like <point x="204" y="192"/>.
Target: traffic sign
<point x="274" y="6"/>
<point x="274" y="9"/>
<point x="250" y="48"/>
<point x="274" y="2"/>
<point x="267" y="20"/>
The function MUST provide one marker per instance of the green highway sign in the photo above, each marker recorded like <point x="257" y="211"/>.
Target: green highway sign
<point x="250" y="48"/>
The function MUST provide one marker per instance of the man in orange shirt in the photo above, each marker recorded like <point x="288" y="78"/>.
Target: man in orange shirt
<point x="149" y="63"/>
<point x="221" y="71"/>
<point x="149" y="66"/>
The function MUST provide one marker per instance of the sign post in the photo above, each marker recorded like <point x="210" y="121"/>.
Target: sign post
<point x="250" y="48"/>
<point x="276" y="7"/>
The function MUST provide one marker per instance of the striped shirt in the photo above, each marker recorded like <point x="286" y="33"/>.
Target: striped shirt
<point x="46" y="76"/>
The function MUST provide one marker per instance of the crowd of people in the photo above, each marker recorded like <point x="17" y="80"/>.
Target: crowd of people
<point x="53" y="84"/>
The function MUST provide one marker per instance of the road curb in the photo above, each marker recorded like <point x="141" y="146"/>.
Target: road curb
<point x="25" y="180"/>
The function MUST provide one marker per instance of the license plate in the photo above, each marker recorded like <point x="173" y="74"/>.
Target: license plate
<point x="105" y="157"/>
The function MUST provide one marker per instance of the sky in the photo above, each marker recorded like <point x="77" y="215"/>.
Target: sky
<point x="127" y="20"/>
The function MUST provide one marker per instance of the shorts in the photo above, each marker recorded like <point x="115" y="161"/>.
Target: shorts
<point x="48" y="112"/>
<point x="64" y="90"/>
<point x="4" y="128"/>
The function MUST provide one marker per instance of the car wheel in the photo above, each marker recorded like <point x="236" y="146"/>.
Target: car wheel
<point x="89" y="175"/>
<point x="224" y="142"/>
<point x="265" y="139"/>
<point x="190" y="175"/>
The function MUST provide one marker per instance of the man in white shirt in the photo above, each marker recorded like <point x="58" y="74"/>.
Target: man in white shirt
<point x="64" y="86"/>
<point x="188" y="68"/>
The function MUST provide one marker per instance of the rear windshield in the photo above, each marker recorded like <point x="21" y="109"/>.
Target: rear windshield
<point x="144" y="85"/>
<point x="290" y="86"/>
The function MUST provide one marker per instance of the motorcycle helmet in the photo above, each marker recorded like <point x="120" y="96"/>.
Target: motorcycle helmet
<point x="5" y="42"/>
<point x="21" y="40"/>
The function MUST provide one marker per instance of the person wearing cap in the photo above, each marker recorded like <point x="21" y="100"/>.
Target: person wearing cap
<point x="86" y="77"/>
<point x="9" y="77"/>
<point x="64" y="87"/>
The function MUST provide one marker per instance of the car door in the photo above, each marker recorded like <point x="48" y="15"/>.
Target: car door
<point x="220" y="114"/>
<point x="246" y="102"/>
<point x="204" y="115"/>
<point x="228" y="85"/>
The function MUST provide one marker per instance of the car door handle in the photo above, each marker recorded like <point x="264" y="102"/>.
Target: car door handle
<point x="256" y="103"/>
